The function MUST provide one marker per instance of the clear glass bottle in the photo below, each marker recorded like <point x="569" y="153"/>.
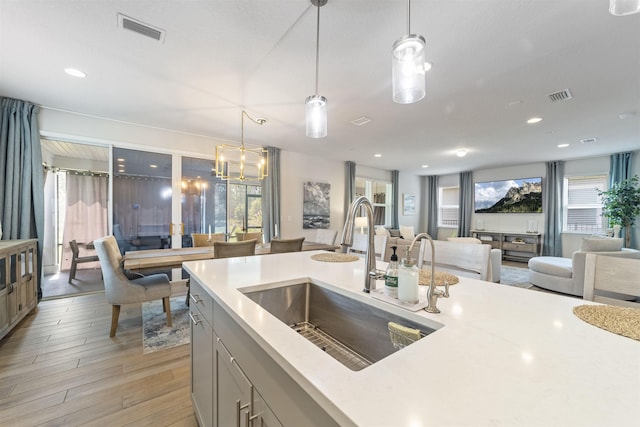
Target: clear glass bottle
<point x="408" y="278"/>
<point x="391" y="275"/>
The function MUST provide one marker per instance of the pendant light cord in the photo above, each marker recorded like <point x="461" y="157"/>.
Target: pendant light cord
<point x="408" y="16"/>
<point x="317" y="46"/>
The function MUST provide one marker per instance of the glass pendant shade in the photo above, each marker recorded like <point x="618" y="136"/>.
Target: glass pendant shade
<point x="316" y="106"/>
<point x="407" y="68"/>
<point x="624" y="7"/>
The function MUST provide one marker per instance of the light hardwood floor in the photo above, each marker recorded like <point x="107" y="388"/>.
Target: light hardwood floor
<point x="60" y="368"/>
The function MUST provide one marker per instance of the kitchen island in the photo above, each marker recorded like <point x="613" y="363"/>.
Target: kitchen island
<point x="504" y="356"/>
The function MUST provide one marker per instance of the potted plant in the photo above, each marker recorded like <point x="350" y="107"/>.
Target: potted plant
<point x="621" y="205"/>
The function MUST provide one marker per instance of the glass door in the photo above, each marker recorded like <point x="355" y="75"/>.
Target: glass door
<point x="244" y="208"/>
<point x="142" y="199"/>
<point x="203" y="200"/>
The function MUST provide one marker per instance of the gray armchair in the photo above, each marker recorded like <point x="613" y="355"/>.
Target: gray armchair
<point x="120" y="290"/>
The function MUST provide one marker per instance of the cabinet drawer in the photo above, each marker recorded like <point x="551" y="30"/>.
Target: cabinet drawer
<point x="520" y="247"/>
<point x="202" y="300"/>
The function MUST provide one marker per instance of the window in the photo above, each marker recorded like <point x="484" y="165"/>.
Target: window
<point x="583" y="207"/>
<point x="449" y="207"/>
<point x="380" y="194"/>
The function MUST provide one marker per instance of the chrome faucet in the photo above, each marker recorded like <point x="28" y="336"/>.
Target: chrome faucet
<point x="432" y="293"/>
<point x="371" y="273"/>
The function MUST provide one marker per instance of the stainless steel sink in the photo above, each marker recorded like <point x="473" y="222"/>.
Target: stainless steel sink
<point x="352" y="331"/>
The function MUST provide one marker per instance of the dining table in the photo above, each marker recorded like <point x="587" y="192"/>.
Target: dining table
<point x="154" y="259"/>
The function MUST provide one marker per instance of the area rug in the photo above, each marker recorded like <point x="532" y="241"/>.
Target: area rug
<point x="514" y="276"/>
<point x="156" y="335"/>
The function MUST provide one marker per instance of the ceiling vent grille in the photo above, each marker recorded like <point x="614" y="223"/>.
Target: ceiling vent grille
<point x="561" y="95"/>
<point x="361" y="121"/>
<point x="141" y="28"/>
<point x="588" y="141"/>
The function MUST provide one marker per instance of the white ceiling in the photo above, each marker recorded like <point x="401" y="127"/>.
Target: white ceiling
<point x="494" y="62"/>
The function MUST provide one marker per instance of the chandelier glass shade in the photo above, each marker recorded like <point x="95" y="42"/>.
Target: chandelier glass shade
<point x="408" y="58"/>
<point x="239" y="163"/>
<point x="316" y="105"/>
<point x="624" y="7"/>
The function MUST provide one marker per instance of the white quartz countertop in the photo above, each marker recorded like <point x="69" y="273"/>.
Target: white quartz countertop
<point x="505" y="356"/>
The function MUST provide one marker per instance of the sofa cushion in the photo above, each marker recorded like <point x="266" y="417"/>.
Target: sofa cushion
<point x="595" y="244"/>
<point x="407" y="232"/>
<point x="381" y="231"/>
<point x="394" y="232"/>
<point x="554" y="266"/>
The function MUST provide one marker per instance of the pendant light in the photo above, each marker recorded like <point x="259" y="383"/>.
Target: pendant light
<point x="235" y="163"/>
<point x="316" y="105"/>
<point x="407" y="66"/>
<point x="624" y="7"/>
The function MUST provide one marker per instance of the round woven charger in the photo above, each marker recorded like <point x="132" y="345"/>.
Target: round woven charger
<point x="623" y="321"/>
<point x="440" y="278"/>
<point x="334" y="257"/>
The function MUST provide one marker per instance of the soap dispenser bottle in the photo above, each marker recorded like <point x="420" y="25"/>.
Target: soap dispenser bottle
<point x="391" y="275"/>
<point x="408" y="277"/>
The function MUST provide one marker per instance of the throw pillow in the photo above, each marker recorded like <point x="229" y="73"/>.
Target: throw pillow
<point x="394" y="232"/>
<point x="381" y="231"/>
<point x="407" y="232"/>
<point x="601" y="245"/>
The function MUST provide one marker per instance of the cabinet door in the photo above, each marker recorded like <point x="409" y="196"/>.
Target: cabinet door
<point x="14" y="284"/>
<point x="4" y="300"/>
<point x="263" y="417"/>
<point x="201" y="367"/>
<point x="232" y="390"/>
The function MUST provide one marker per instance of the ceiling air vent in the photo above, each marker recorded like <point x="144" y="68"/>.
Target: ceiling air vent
<point x="140" y="27"/>
<point x="361" y="121"/>
<point x="561" y="95"/>
<point x="588" y="141"/>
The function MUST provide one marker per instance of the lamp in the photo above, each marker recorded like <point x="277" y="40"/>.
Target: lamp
<point x="408" y="66"/>
<point x="316" y="105"/>
<point x="361" y="221"/>
<point x="241" y="163"/>
<point x="624" y="7"/>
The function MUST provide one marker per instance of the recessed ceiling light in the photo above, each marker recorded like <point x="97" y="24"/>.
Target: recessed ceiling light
<point x="425" y="166"/>
<point x="377" y="155"/>
<point x="461" y="153"/>
<point x="75" y="73"/>
<point x="563" y="145"/>
<point x="626" y="115"/>
<point x="153" y="166"/>
<point x="534" y="120"/>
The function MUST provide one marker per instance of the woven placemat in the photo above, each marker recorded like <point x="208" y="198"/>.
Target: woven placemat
<point x="334" y="257"/>
<point x="623" y="321"/>
<point x="440" y="278"/>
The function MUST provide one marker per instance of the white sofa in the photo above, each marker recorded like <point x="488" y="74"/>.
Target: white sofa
<point x="461" y="256"/>
<point x="566" y="275"/>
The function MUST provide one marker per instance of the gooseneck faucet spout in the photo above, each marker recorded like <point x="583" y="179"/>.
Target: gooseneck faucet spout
<point x="432" y="293"/>
<point x="371" y="273"/>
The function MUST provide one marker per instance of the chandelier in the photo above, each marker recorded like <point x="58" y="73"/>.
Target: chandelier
<point x="239" y="163"/>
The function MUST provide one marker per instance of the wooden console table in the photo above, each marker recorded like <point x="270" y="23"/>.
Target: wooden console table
<point x="514" y="246"/>
<point x="18" y="281"/>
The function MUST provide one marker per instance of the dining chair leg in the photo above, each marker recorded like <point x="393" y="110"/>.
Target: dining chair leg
<point x="72" y="272"/>
<point x="115" y="314"/>
<point x="167" y="308"/>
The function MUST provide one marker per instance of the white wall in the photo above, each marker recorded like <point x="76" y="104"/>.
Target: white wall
<point x="295" y="170"/>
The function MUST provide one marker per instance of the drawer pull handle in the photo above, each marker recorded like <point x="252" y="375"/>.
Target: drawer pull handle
<point x="195" y="298"/>
<point x="194" y="319"/>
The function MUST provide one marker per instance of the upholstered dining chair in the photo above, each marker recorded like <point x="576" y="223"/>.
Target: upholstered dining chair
<point x="279" y="246"/>
<point x="120" y="290"/>
<point x="202" y="239"/>
<point x="77" y="259"/>
<point x="234" y="249"/>
<point x="612" y="280"/>
<point x="249" y="236"/>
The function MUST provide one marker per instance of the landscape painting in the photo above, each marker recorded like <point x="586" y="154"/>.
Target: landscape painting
<point x="509" y="196"/>
<point x="316" y="209"/>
